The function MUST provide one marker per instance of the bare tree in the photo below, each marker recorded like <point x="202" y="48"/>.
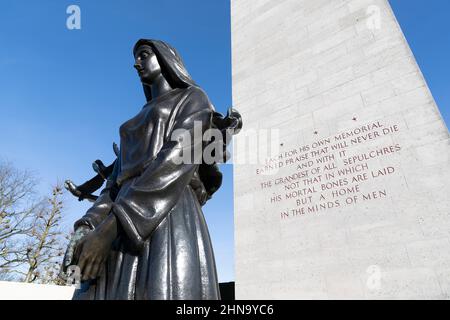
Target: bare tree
<point x="17" y="207"/>
<point x="31" y="241"/>
<point x="46" y="241"/>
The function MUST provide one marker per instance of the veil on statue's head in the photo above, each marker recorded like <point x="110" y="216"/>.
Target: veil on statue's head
<point x="172" y="65"/>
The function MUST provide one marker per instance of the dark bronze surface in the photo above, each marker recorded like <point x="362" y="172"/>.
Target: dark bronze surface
<point x="148" y="238"/>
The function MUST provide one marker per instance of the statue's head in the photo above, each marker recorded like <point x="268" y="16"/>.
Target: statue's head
<point x="153" y="58"/>
<point x="147" y="64"/>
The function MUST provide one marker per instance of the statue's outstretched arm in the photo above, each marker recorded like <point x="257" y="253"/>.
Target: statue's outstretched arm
<point x="86" y="190"/>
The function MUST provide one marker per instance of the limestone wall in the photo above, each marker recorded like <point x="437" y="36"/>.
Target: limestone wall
<point x="359" y="207"/>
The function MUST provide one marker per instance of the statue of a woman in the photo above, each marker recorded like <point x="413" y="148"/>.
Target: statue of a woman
<point x="145" y="237"/>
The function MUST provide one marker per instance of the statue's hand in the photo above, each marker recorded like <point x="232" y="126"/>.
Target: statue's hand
<point x="68" y="260"/>
<point x="93" y="251"/>
<point x="72" y="188"/>
<point x="199" y="189"/>
<point x="74" y="241"/>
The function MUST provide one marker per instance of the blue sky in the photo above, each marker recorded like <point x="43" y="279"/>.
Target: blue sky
<point x="426" y="25"/>
<point x="64" y="94"/>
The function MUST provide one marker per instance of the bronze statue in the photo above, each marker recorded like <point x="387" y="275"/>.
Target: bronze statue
<point x="145" y="236"/>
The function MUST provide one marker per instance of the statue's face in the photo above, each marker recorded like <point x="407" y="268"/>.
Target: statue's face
<point x="147" y="64"/>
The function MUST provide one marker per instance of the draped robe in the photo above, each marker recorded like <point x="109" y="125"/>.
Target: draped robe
<point x="163" y="250"/>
